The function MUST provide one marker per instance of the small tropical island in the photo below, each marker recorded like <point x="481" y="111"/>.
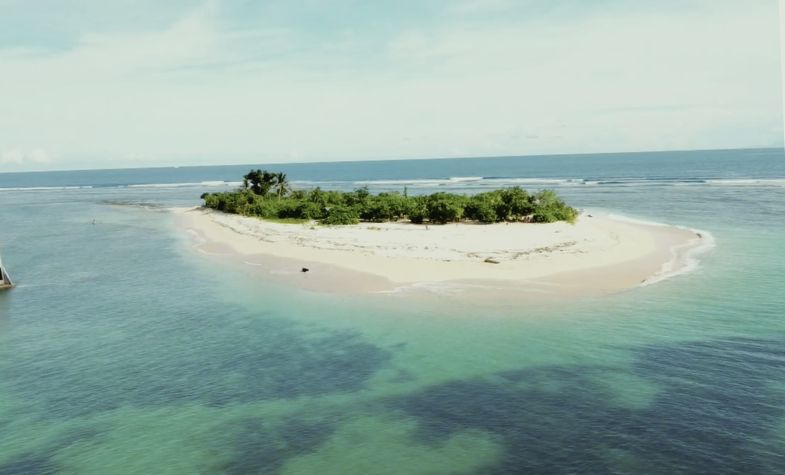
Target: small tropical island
<point x="268" y="195"/>
<point x="504" y="244"/>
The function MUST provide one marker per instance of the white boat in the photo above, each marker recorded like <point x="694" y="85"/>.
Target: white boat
<point x="5" y="279"/>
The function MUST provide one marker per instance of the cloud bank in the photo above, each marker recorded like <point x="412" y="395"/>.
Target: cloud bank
<point x="18" y="157"/>
<point x="214" y="83"/>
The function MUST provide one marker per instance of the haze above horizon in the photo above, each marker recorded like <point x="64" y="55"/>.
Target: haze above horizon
<point x="270" y="164"/>
<point x="89" y="85"/>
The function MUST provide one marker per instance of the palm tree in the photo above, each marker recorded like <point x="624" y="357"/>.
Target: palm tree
<point x="281" y="185"/>
<point x="259" y="181"/>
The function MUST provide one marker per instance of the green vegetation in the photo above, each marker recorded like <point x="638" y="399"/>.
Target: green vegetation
<point x="269" y="196"/>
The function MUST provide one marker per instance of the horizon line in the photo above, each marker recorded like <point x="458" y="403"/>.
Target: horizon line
<point x="324" y="162"/>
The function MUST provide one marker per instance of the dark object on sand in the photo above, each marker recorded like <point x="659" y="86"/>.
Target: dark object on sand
<point x="491" y="261"/>
<point x="305" y="269"/>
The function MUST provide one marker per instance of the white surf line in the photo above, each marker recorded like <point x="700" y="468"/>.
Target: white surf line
<point x="688" y="252"/>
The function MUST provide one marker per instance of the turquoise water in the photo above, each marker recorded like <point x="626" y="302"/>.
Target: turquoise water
<point x="123" y="351"/>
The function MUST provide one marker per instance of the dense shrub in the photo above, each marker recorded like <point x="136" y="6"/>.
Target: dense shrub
<point x="548" y="208"/>
<point x="383" y="207"/>
<point x="288" y="209"/>
<point x="264" y="209"/>
<point x="483" y="208"/>
<point x="341" y="214"/>
<point x="359" y="198"/>
<point x="267" y="195"/>
<point x="236" y="202"/>
<point x="516" y="204"/>
<point x="308" y="210"/>
<point x="445" y="207"/>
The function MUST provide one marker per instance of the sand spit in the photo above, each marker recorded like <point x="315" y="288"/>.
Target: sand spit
<point x="596" y="255"/>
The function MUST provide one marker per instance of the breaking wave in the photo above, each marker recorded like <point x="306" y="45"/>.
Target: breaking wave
<point x="457" y="182"/>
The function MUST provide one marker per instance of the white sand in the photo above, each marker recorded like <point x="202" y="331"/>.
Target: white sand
<point x="597" y="254"/>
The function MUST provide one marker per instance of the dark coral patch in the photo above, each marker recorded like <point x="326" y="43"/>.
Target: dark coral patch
<point x="29" y="465"/>
<point x="260" y="447"/>
<point x="714" y="413"/>
<point x="272" y="360"/>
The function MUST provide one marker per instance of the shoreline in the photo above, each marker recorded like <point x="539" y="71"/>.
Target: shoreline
<point x="599" y="254"/>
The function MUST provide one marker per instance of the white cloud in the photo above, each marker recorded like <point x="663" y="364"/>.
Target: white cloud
<point x="21" y="157"/>
<point x="782" y="57"/>
<point x="201" y="92"/>
<point x="474" y="6"/>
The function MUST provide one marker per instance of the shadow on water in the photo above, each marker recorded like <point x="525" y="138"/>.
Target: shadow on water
<point x="29" y="465"/>
<point x="148" y="331"/>
<point x="42" y="462"/>
<point x="223" y="369"/>
<point x="715" y="412"/>
<point x="257" y="446"/>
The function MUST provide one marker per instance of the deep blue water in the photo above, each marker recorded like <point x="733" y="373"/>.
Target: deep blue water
<point x="123" y="351"/>
<point x="619" y="168"/>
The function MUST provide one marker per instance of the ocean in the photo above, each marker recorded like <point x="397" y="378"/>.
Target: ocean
<point x="124" y="351"/>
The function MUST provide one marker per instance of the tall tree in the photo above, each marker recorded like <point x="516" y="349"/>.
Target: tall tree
<point x="259" y="181"/>
<point x="281" y="185"/>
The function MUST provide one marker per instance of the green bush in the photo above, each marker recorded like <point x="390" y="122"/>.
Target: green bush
<point x="445" y="208"/>
<point x="549" y="208"/>
<point x="384" y="207"/>
<point x="287" y="208"/>
<point x="340" y="214"/>
<point x="235" y="202"/>
<point x="263" y="209"/>
<point x="516" y="204"/>
<point x="268" y="195"/>
<point x="359" y="198"/>
<point x="417" y="209"/>
<point x="308" y="210"/>
<point x="483" y="208"/>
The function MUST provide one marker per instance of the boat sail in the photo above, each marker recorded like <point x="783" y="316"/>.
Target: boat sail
<point x="5" y="279"/>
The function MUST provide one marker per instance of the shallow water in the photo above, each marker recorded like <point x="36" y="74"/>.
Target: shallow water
<point x="122" y="351"/>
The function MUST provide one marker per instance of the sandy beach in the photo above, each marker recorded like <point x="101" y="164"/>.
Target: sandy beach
<point x="598" y="254"/>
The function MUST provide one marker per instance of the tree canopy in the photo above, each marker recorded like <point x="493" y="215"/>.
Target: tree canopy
<point x="268" y="195"/>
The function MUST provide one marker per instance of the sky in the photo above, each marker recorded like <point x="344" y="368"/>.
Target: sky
<point x="135" y="83"/>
